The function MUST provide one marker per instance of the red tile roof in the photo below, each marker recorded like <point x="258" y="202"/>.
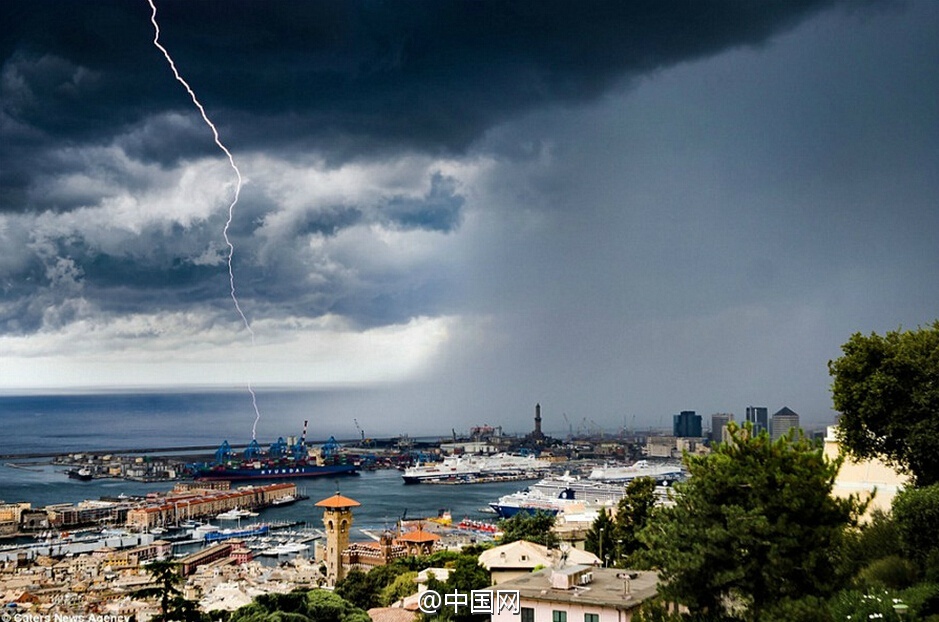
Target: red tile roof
<point x="337" y="501"/>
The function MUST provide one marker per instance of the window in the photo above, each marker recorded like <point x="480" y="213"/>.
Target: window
<point x="558" y="616"/>
<point x="528" y="614"/>
<point x="591" y="617"/>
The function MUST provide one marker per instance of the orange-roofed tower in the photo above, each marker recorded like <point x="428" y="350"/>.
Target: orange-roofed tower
<point x="337" y="519"/>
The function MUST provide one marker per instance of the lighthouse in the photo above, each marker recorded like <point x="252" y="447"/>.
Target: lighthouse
<point x="537" y="435"/>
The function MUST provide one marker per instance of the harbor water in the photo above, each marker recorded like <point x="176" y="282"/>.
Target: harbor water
<point x="383" y="495"/>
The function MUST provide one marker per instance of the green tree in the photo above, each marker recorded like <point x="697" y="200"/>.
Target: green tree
<point x="402" y="586"/>
<point x="632" y="514"/>
<point x="601" y="539"/>
<point x="916" y="514"/>
<point x="887" y="391"/>
<point x="358" y="588"/>
<point x="465" y="576"/>
<point x="753" y="528"/>
<point x="173" y="606"/>
<point x="300" y="606"/>
<point x="537" y="527"/>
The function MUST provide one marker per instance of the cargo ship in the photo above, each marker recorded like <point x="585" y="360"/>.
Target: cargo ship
<point x="281" y="461"/>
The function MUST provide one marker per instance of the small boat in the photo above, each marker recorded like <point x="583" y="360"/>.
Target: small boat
<point x="235" y="514"/>
<point x="285" y="500"/>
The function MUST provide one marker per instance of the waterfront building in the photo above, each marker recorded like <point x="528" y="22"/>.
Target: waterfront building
<point x="783" y="422"/>
<point x="759" y="417"/>
<point x="575" y="593"/>
<point x="337" y="519"/>
<point x="185" y="503"/>
<point x="719" y="423"/>
<point x="687" y="424"/>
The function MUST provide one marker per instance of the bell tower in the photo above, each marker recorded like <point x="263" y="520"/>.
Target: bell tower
<point x="337" y="520"/>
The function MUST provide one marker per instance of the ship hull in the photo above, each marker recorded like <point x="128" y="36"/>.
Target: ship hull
<point x="508" y="511"/>
<point x="275" y="472"/>
<point x="81" y="475"/>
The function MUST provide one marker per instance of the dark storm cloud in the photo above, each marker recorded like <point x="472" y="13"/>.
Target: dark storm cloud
<point x="346" y="78"/>
<point x="438" y="211"/>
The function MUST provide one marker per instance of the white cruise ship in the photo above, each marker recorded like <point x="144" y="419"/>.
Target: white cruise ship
<point x="473" y="468"/>
<point x="662" y="472"/>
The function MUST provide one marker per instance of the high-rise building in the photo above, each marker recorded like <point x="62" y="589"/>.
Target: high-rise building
<point x="687" y="424"/>
<point x="759" y="417"/>
<point x="719" y="423"/>
<point x="783" y="421"/>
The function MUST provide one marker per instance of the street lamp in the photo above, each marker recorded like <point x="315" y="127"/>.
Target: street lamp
<point x="900" y="609"/>
<point x="601" y="545"/>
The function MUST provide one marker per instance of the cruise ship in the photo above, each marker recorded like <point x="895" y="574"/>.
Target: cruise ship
<point x="662" y="473"/>
<point x="475" y="468"/>
<point x="566" y="494"/>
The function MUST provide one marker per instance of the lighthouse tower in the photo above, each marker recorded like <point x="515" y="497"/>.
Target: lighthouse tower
<point x="537" y="434"/>
<point x="337" y="519"/>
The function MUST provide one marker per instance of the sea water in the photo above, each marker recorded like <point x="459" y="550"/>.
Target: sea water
<point x="93" y="422"/>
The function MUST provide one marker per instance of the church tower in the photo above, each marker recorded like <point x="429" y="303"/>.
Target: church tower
<point x="337" y="519"/>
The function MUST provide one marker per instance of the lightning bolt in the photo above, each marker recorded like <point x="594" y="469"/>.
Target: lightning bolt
<point x="231" y="207"/>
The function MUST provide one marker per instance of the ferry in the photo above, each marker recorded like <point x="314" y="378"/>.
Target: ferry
<point x="566" y="494"/>
<point x="82" y="474"/>
<point x="663" y="473"/>
<point x="474" y="468"/>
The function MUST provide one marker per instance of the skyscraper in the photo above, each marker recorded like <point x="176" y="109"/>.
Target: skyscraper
<point x="719" y="423"/>
<point x="783" y="421"/>
<point x="687" y="424"/>
<point x="759" y="417"/>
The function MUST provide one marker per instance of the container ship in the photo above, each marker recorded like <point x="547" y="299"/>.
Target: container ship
<point x="280" y="461"/>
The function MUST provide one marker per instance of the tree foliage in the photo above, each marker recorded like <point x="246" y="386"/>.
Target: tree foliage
<point x="300" y="606"/>
<point x="916" y="513"/>
<point x="173" y="606"/>
<point x="465" y="576"/>
<point x="632" y="514"/>
<point x="537" y="527"/>
<point x="402" y="586"/>
<point x="600" y="539"/>
<point x="887" y="391"/>
<point x="753" y="528"/>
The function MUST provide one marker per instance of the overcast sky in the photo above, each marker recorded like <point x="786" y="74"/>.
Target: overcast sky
<point x="617" y="209"/>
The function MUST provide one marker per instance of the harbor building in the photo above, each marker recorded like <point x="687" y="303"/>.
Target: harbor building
<point x="687" y="424"/>
<point x="759" y="417"/>
<point x="337" y="520"/>
<point x="783" y="422"/>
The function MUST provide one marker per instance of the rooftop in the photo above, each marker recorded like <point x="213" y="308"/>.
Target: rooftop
<point x="609" y="588"/>
<point x="337" y="501"/>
